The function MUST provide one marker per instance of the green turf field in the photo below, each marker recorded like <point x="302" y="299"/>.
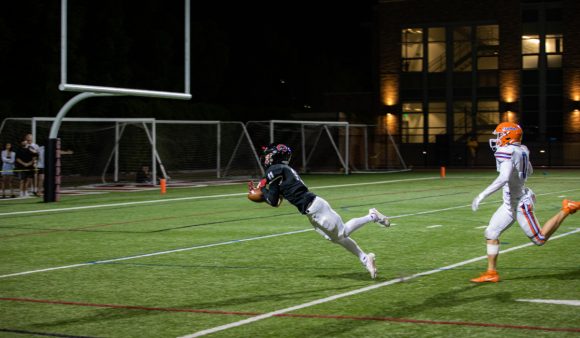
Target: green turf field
<point x="141" y="264"/>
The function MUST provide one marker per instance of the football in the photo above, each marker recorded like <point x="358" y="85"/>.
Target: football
<point x="255" y="195"/>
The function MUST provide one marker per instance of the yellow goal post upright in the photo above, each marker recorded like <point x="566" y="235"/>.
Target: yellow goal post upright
<point x="52" y="181"/>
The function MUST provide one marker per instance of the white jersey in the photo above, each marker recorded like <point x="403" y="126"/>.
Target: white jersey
<point x="40" y="163"/>
<point x="514" y="167"/>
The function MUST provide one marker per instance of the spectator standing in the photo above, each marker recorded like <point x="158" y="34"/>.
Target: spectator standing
<point x="8" y="159"/>
<point x="24" y="165"/>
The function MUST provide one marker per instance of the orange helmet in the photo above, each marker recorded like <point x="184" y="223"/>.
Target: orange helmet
<point x="506" y="133"/>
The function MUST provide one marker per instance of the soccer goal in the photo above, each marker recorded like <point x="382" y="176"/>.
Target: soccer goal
<point x="113" y="150"/>
<point x="331" y="146"/>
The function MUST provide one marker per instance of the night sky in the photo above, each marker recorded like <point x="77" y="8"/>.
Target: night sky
<point x="250" y="60"/>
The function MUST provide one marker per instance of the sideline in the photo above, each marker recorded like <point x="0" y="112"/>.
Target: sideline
<point x="199" y="197"/>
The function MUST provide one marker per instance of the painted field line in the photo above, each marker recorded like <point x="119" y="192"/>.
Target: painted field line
<point x="469" y="205"/>
<point x="194" y="247"/>
<point x="356" y="292"/>
<point x="435" y="226"/>
<point x="291" y="315"/>
<point x="224" y="243"/>
<point x="154" y="253"/>
<point x="481" y="227"/>
<point x="97" y="206"/>
<point x="552" y="301"/>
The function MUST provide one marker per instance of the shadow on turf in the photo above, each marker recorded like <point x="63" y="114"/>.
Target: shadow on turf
<point x="104" y="315"/>
<point x="572" y="275"/>
<point x="403" y="309"/>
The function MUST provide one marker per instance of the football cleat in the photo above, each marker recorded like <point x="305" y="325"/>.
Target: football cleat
<point x="371" y="265"/>
<point x="380" y="218"/>
<point x="570" y="206"/>
<point x="490" y="276"/>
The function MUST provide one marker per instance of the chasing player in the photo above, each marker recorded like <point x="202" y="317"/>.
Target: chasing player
<point x="514" y="167"/>
<point x="283" y="181"/>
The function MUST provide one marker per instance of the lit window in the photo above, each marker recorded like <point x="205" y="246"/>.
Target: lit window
<point x="554" y="47"/>
<point x="487" y="113"/>
<point x="487" y="47"/>
<point x="412" y="122"/>
<point x="437" y="57"/>
<point x="462" y="49"/>
<point x="437" y="120"/>
<point x="462" y="121"/>
<point x="412" y="49"/>
<point x="554" y="50"/>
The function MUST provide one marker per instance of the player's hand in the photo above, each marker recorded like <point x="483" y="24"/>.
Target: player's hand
<point x="251" y="185"/>
<point x="261" y="184"/>
<point x="475" y="204"/>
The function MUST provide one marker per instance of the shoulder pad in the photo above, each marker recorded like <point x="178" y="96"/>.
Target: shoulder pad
<point x="504" y="153"/>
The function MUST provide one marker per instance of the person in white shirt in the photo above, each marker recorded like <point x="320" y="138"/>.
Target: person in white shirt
<point x="34" y="149"/>
<point x="8" y="159"/>
<point x="514" y="167"/>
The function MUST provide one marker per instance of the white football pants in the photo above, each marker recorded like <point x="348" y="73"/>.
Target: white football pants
<point x="329" y="224"/>
<point x="505" y="216"/>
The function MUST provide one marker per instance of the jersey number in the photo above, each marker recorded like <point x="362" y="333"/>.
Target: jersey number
<point x="525" y="165"/>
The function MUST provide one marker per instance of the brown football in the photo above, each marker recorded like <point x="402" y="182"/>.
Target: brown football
<point x="255" y="195"/>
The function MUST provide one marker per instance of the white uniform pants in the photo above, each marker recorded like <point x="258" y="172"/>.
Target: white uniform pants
<point x="325" y="220"/>
<point x="505" y="216"/>
<point x="330" y="225"/>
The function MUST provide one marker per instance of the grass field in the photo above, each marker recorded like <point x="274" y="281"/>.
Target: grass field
<point x="141" y="264"/>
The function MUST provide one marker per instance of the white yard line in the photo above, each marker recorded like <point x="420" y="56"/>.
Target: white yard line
<point x="154" y="253"/>
<point x="189" y="248"/>
<point x="435" y="226"/>
<point x="228" y="242"/>
<point x="355" y="292"/>
<point x="198" y="197"/>
<point x="552" y="301"/>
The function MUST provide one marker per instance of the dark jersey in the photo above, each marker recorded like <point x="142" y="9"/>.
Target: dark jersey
<point x="285" y="181"/>
<point x="25" y="155"/>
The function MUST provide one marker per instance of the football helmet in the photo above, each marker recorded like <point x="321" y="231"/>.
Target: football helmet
<point x="506" y="133"/>
<point x="276" y="153"/>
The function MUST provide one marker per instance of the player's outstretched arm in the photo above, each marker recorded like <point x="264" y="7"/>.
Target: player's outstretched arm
<point x="501" y="180"/>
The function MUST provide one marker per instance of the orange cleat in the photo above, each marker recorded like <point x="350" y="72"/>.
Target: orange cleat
<point x="490" y="276"/>
<point x="570" y="206"/>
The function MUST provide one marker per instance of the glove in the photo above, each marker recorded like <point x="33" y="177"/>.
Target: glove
<point x="251" y="185"/>
<point x="476" y="201"/>
<point x="261" y="184"/>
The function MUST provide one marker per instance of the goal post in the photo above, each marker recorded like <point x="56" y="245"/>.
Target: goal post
<point x="88" y="91"/>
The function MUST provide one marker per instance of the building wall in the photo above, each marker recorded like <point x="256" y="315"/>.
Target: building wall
<point x="393" y="16"/>
<point x="571" y="70"/>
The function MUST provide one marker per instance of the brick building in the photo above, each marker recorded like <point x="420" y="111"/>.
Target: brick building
<point x="449" y="70"/>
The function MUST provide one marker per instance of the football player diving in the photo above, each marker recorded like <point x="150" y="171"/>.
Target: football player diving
<point x="283" y="181"/>
<point x="514" y="167"/>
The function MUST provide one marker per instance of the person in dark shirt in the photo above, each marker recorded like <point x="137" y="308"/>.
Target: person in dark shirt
<point x="24" y="165"/>
<point x="282" y="181"/>
<point x="143" y="176"/>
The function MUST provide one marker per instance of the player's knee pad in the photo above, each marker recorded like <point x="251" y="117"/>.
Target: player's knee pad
<point x="491" y="233"/>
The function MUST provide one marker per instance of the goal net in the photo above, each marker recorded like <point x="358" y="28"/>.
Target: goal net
<point x="330" y="146"/>
<point x="114" y="150"/>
